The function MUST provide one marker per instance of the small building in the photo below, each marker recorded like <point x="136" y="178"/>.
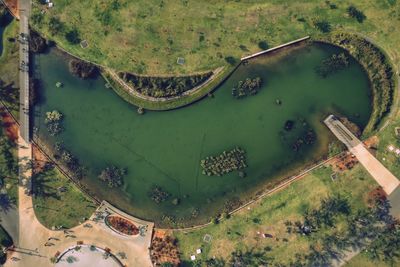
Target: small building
<point x="84" y="44"/>
<point x="193" y="257"/>
<point x="180" y="61"/>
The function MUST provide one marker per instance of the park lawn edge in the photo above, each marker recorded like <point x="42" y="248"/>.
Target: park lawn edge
<point x="43" y="208"/>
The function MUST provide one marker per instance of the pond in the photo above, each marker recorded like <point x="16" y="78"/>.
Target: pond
<point x="165" y="148"/>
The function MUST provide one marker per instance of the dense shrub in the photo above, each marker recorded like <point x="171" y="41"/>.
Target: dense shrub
<point x="231" y="60"/>
<point x="73" y="37"/>
<point x="263" y="45"/>
<point x="355" y="13"/>
<point x="164" y="86"/>
<point x="82" y="69"/>
<point x="55" y="26"/>
<point x="37" y="43"/>
<point x="323" y="26"/>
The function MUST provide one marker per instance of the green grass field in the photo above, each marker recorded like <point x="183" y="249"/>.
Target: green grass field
<point x="147" y="37"/>
<point x="57" y="201"/>
<point x="269" y="215"/>
<point x="361" y="260"/>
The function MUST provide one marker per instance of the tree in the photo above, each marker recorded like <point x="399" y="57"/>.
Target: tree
<point x="55" y="26"/>
<point x="323" y="26"/>
<point x="230" y="60"/>
<point x="263" y="45"/>
<point x="356" y="13"/>
<point x="37" y="18"/>
<point x="72" y="36"/>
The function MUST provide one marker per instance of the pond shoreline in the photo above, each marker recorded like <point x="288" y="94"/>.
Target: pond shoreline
<point x="251" y="191"/>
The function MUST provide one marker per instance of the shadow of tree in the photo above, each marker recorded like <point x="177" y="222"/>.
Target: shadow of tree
<point x="6" y="203"/>
<point x="40" y="185"/>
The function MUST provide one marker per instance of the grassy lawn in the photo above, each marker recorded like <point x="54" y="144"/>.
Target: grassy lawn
<point x="57" y="201"/>
<point x="269" y="215"/>
<point x="147" y="37"/>
<point x="9" y="60"/>
<point x="361" y="260"/>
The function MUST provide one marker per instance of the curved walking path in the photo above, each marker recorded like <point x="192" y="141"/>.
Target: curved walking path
<point x="33" y="248"/>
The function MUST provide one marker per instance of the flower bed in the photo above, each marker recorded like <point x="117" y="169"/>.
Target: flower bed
<point x="122" y="225"/>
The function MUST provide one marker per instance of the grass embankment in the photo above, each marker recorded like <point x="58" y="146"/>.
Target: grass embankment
<point x="57" y="201"/>
<point x="173" y="103"/>
<point x="240" y="232"/>
<point x="361" y="260"/>
<point x="147" y="37"/>
<point x="9" y="60"/>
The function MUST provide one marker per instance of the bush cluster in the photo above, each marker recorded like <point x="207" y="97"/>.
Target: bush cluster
<point x="164" y="86"/>
<point x="82" y="69"/>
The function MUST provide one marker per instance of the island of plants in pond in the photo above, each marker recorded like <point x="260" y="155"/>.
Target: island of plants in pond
<point x="122" y="225"/>
<point x="164" y="86"/>
<point x="226" y="162"/>
<point x="158" y="194"/>
<point x="53" y="122"/>
<point x="113" y="176"/>
<point x="300" y="136"/>
<point x="247" y="87"/>
<point x="332" y="64"/>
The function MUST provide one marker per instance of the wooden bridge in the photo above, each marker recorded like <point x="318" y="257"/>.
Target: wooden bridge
<point x="379" y="172"/>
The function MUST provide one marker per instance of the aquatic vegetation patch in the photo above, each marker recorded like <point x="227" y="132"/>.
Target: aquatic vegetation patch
<point x="226" y="162"/>
<point x="53" y="122"/>
<point x="247" y="87"/>
<point x="158" y="194"/>
<point x="113" y="176"/>
<point x="333" y="64"/>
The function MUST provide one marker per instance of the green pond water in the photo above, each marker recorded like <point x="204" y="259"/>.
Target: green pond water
<point x="165" y="148"/>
